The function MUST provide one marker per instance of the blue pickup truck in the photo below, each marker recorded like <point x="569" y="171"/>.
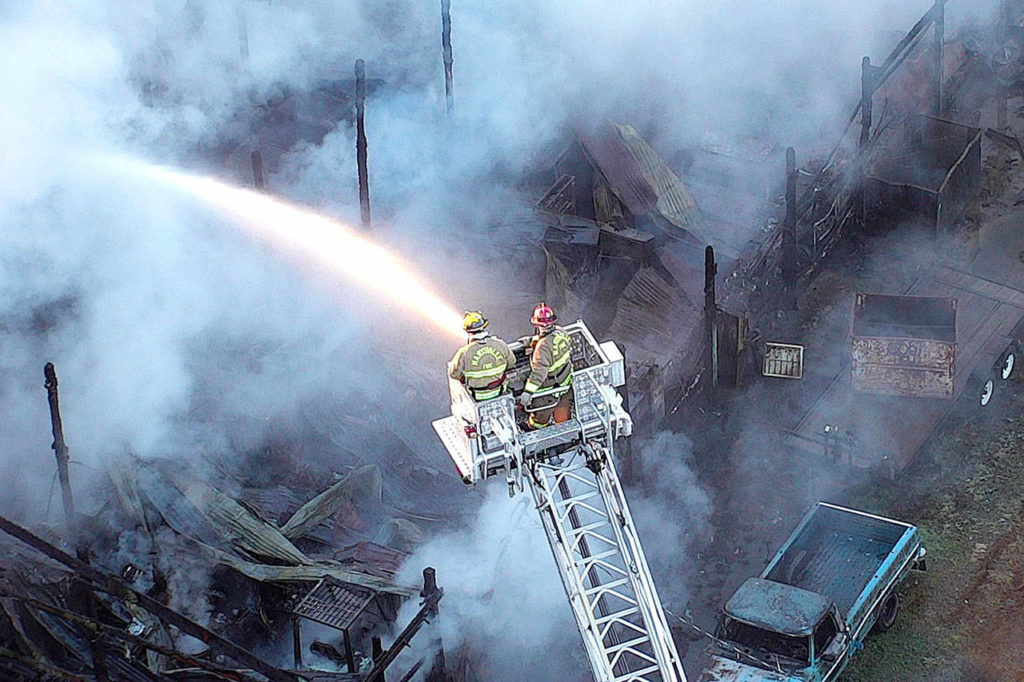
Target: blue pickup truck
<point x="808" y="612"/>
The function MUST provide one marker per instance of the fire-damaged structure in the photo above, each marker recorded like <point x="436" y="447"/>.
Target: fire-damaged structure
<point x="625" y="247"/>
<point x="929" y="171"/>
<point x="175" y="579"/>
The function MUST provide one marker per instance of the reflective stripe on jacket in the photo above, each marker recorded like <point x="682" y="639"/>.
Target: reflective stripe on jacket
<point x="551" y="362"/>
<point x="482" y="365"/>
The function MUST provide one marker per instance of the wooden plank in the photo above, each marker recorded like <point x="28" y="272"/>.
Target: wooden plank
<point x="980" y="286"/>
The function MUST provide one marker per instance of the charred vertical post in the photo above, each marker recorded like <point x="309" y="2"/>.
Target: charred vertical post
<point x="437" y="671"/>
<point x="243" y="31"/>
<point x="446" y="53"/>
<point x="60" y="448"/>
<point x="350" y="656"/>
<point x="377" y="654"/>
<point x="711" y="314"/>
<point x="364" y="182"/>
<point x="297" y="642"/>
<point x="939" y="16"/>
<point x="867" y="90"/>
<point x="789" y="249"/>
<point x="257" y="170"/>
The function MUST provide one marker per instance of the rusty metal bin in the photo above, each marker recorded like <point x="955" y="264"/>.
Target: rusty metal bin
<point x="904" y="345"/>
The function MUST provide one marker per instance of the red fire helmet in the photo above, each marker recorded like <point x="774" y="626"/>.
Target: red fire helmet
<point x="543" y="316"/>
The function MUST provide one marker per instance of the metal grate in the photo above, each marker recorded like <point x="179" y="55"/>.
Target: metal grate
<point x="334" y="603"/>
<point x="783" y="360"/>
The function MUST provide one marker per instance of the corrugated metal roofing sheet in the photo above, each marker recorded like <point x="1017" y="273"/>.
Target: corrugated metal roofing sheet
<point x="653" y="319"/>
<point x="641" y="179"/>
<point x="674" y="201"/>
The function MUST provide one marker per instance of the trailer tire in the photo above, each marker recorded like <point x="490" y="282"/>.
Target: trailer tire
<point x="1008" y="362"/>
<point x="983" y="391"/>
<point x="887" y="612"/>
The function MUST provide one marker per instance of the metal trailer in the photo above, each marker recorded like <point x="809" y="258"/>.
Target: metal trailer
<point x="886" y="431"/>
<point x="811" y="608"/>
<point x="569" y="469"/>
<point x="903" y="345"/>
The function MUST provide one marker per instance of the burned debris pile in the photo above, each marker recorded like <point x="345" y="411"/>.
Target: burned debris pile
<point x="175" y="577"/>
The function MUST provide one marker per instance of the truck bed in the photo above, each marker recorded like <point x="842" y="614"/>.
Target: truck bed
<point x="836" y="553"/>
<point x="888" y="431"/>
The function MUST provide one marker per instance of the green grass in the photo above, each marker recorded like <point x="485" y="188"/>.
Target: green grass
<point x="964" y="494"/>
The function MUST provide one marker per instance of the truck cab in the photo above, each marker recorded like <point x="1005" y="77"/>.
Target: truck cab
<point x="777" y="632"/>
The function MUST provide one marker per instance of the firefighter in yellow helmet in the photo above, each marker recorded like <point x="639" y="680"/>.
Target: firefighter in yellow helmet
<point x="483" y="363"/>
<point x="551" y="367"/>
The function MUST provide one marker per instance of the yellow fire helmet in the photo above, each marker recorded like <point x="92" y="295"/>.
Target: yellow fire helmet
<point x="474" y="322"/>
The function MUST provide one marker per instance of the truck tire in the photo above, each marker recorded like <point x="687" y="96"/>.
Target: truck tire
<point x="887" y="612"/>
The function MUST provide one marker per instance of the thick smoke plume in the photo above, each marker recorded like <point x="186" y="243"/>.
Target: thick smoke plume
<point x="174" y="335"/>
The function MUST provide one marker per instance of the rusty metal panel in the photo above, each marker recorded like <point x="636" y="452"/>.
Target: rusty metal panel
<point x="904" y="345"/>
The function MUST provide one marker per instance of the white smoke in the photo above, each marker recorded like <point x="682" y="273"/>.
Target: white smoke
<point x="503" y="597"/>
<point x="172" y="334"/>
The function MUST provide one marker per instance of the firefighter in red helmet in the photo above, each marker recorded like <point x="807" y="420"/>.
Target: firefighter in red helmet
<point x="551" y="368"/>
<point x="482" y="365"/>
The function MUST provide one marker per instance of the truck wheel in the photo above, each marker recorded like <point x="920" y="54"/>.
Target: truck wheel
<point x="887" y="615"/>
<point x="1008" y="362"/>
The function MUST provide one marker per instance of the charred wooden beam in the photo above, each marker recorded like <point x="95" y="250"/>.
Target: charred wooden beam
<point x="431" y="597"/>
<point x="867" y="90"/>
<point x="60" y="448"/>
<point x="711" y="314"/>
<point x="437" y="671"/>
<point x="257" y="170"/>
<point x="105" y="582"/>
<point x="95" y="627"/>
<point x="297" y="642"/>
<point x="790" y="266"/>
<point x="446" y="53"/>
<point x="939" y="17"/>
<point x="377" y="653"/>
<point x="364" y="181"/>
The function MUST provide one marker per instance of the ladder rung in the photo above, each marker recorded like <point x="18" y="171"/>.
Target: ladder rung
<point x="628" y="645"/>
<point x="605" y="587"/>
<point x="577" y="498"/>
<point x="637" y="674"/>
<point x="618" y="615"/>
<point x="587" y="528"/>
<point x="601" y="555"/>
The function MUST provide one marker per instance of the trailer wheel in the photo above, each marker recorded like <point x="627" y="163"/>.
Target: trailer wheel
<point x="986" y="391"/>
<point x="887" y="615"/>
<point x="1008" y="362"/>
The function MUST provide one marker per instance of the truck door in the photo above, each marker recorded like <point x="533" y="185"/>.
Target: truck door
<point x="830" y="645"/>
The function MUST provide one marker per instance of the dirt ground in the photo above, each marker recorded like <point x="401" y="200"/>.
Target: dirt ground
<point x="963" y="619"/>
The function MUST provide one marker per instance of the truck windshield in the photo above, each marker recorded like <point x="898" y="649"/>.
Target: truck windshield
<point x="766" y="641"/>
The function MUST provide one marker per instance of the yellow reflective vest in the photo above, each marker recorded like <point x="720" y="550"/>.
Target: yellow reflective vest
<point x="550" y="363"/>
<point x="482" y="365"/>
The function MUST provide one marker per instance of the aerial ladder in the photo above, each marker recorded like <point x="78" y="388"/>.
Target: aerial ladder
<point x="569" y="469"/>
